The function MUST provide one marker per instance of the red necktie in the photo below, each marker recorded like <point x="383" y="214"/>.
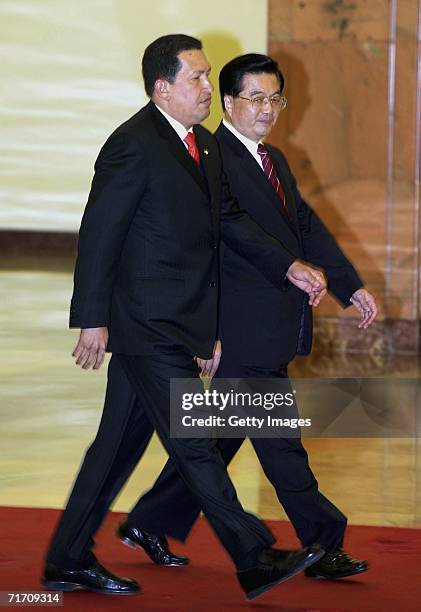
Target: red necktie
<point x="190" y="141"/>
<point x="270" y="172"/>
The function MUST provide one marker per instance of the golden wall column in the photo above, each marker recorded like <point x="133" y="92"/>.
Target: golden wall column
<point x="352" y="135"/>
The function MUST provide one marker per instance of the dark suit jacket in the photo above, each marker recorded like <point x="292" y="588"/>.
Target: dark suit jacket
<point x="147" y="265"/>
<point x="260" y="324"/>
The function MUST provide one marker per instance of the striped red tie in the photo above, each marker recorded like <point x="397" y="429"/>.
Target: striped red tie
<point x="190" y="141"/>
<point x="270" y="172"/>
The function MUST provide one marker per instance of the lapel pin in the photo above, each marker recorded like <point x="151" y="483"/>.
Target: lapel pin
<point x="205" y="151"/>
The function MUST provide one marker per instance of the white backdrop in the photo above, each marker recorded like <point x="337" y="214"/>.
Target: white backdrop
<point x="70" y="73"/>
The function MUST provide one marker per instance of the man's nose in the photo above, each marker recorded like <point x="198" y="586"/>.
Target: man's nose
<point x="208" y="84"/>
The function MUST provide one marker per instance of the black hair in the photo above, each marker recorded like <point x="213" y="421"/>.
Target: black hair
<point x="232" y="74"/>
<point x="160" y="60"/>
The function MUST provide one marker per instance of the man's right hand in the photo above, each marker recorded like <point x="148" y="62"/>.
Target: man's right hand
<point x="309" y="280"/>
<point x="208" y="367"/>
<point x="90" y="349"/>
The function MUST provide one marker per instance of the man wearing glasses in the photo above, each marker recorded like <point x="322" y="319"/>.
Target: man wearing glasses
<point x="146" y="289"/>
<point x="262" y="327"/>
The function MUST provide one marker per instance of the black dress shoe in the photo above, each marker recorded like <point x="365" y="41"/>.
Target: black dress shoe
<point x="156" y="547"/>
<point x="336" y="564"/>
<point x="93" y="578"/>
<point x="275" y="566"/>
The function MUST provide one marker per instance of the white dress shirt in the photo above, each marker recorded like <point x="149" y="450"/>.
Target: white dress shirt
<point x="247" y="142"/>
<point x="176" y="125"/>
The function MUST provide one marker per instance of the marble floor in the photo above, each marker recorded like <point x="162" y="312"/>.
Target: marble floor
<point x="49" y="411"/>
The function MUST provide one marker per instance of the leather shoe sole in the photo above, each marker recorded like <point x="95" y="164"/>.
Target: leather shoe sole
<point x="53" y="585"/>
<point x="345" y="574"/>
<point x="89" y="576"/>
<point x="311" y="558"/>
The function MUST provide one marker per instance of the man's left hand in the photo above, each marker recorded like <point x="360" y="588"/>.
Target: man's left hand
<point x="90" y="349"/>
<point x="366" y="304"/>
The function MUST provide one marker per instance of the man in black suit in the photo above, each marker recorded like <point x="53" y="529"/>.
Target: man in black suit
<point x="146" y="289"/>
<point x="262" y="327"/>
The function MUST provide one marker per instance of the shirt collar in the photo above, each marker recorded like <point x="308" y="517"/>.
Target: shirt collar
<point x="176" y="125"/>
<point x="247" y="142"/>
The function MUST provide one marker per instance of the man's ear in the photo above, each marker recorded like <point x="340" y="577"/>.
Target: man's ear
<point x="162" y="89"/>
<point x="228" y="103"/>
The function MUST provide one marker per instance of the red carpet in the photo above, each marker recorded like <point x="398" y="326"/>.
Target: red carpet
<point x="393" y="583"/>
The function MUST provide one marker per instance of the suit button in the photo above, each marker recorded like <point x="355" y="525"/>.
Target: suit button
<point x="215" y="246"/>
<point x="212" y="284"/>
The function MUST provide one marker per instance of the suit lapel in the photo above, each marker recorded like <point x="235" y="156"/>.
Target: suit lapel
<point x="211" y="165"/>
<point x="207" y="161"/>
<point x="176" y="147"/>
<point x="252" y="173"/>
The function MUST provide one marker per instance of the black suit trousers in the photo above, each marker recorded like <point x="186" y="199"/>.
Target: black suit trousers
<point x="137" y="402"/>
<point x="169" y="509"/>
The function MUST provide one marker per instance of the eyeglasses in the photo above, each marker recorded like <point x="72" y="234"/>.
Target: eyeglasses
<point x="260" y="101"/>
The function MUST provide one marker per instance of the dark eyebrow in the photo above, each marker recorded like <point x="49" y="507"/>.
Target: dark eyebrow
<point x="259" y="92"/>
<point x="197" y="72"/>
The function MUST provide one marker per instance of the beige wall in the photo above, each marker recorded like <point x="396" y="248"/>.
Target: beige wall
<point x="351" y="134"/>
<point x="70" y="73"/>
